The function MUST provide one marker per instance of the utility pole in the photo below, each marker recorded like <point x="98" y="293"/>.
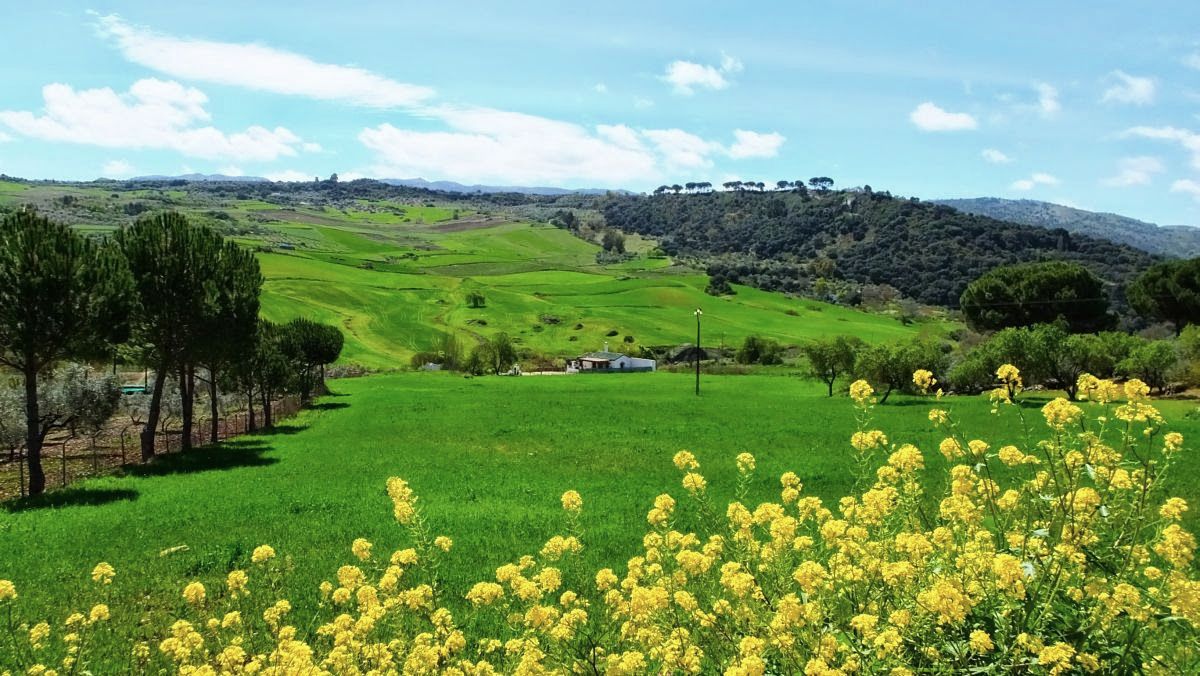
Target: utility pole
<point x="698" y="314"/>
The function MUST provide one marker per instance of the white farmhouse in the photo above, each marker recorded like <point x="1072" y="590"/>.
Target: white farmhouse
<point x="610" y="362"/>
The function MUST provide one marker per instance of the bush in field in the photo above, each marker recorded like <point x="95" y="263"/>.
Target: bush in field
<point x="890" y="366"/>
<point x="1063" y="555"/>
<point x="1155" y="362"/>
<point x="759" y="350"/>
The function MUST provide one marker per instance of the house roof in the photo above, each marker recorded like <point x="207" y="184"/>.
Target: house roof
<point x="609" y="356"/>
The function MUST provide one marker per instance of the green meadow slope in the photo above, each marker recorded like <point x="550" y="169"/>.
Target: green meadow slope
<point x="395" y="276"/>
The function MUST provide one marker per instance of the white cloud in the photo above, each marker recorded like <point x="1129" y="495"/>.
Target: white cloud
<point x="1033" y="181"/>
<point x="485" y="144"/>
<point x="642" y="103"/>
<point x="1127" y="88"/>
<point x="754" y="144"/>
<point x="600" y="88"/>
<point x="1185" y="138"/>
<point x="730" y="64"/>
<point x="1187" y="186"/>
<point x="994" y="156"/>
<point x="929" y="117"/>
<point x="687" y="76"/>
<point x="1192" y="60"/>
<point x="1047" y="99"/>
<point x="153" y="114"/>
<point x="117" y="169"/>
<point x="290" y="176"/>
<point x="257" y="67"/>
<point x="231" y="171"/>
<point x="5" y="138"/>
<point x="1134" y="171"/>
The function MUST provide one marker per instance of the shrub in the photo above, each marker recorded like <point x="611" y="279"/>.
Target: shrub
<point x="1066" y="559"/>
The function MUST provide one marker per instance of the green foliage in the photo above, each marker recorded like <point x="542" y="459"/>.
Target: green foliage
<point x="1168" y="291"/>
<point x="476" y="299"/>
<point x="310" y="346"/>
<point x="829" y="358"/>
<point x="613" y="241"/>
<point x="1046" y="354"/>
<point x="496" y="355"/>
<point x="1154" y="362"/>
<point x="178" y="280"/>
<point x="1037" y="293"/>
<point x="890" y="366"/>
<point x="61" y="295"/>
<point x="759" y="350"/>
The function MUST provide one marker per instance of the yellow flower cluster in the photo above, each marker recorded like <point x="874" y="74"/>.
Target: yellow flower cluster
<point x="1066" y="559"/>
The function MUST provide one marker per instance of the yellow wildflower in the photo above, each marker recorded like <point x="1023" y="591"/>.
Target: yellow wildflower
<point x="262" y="554"/>
<point x="103" y="573"/>
<point x="861" y="391"/>
<point x="194" y="593"/>
<point x="572" y="501"/>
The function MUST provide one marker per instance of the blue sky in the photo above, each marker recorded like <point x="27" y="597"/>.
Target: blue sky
<point x="1093" y="104"/>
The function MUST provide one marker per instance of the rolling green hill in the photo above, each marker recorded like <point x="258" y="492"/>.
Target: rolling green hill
<point x="395" y="276"/>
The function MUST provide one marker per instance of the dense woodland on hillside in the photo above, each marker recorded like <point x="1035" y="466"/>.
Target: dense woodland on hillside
<point x="927" y="251"/>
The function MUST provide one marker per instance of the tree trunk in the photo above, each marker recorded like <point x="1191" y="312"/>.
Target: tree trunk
<point x="33" y="433"/>
<point x="886" y="394"/>
<point x="830" y="384"/>
<point x="213" y="421"/>
<point x="187" y="391"/>
<point x="268" y="423"/>
<point x="148" y="430"/>
<point x="251" y="425"/>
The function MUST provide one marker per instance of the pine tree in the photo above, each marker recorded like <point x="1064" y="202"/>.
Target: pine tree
<point x="61" y="296"/>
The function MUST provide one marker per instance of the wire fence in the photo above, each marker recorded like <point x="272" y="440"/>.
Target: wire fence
<point x="67" y="457"/>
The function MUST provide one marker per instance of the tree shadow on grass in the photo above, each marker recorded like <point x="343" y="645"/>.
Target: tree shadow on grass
<point x="70" y="497"/>
<point x="229" y="455"/>
<point x="329" y="406"/>
<point x="284" y="429"/>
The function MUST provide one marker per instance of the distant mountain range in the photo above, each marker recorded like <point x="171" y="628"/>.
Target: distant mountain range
<point x="199" y="178"/>
<point x="447" y="186"/>
<point x="451" y="186"/>
<point x="1167" y="240"/>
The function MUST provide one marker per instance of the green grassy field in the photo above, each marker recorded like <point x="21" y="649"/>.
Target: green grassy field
<point x="489" y="458"/>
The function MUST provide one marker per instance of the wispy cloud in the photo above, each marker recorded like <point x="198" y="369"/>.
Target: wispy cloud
<point x="257" y="67"/>
<point x="930" y="117"/>
<point x="1184" y="138"/>
<point x="1192" y="60"/>
<point x="289" y="176"/>
<point x="1188" y="187"/>
<point x="1126" y="88"/>
<point x="485" y="144"/>
<point x="1133" y="171"/>
<point x="686" y="77"/>
<point x="600" y="88"/>
<point x="1047" y="103"/>
<point x="153" y="114"/>
<point x="1026" y="184"/>
<point x="993" y="156"/>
